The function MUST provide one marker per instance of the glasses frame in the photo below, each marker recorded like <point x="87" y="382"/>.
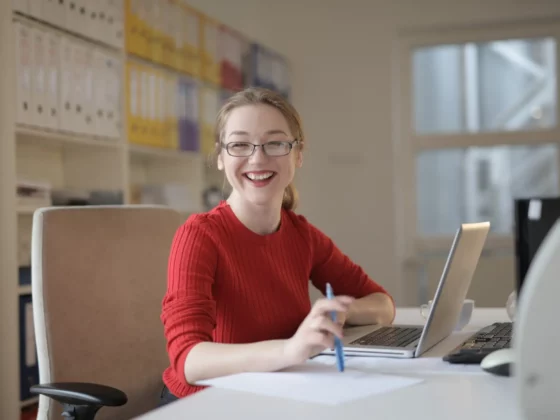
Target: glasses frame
<point x="254" y="147"/>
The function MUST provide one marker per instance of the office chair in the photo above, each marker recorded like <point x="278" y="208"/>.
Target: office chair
<point x="98" y="279"/>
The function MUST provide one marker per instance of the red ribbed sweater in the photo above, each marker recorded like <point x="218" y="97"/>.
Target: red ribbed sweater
<point x="228" y="284"/>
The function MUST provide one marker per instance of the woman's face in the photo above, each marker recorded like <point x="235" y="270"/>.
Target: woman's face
<point x="257" y="175"/>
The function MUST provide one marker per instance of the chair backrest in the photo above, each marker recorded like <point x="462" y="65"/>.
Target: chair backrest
<point x="98" y="279"/>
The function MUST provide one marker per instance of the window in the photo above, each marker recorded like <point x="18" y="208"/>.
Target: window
<point x="477" y="126"/>
<point x="480" y="183"/>
<point x="468" y="93"/>
<point x="485" y="87"/>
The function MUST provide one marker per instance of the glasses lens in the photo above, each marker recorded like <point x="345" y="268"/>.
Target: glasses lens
<point x="240" y="149"/>
<point x="277" y="148"/>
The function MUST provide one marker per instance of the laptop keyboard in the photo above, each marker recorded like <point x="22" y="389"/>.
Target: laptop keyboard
<point x="390" y="337"/>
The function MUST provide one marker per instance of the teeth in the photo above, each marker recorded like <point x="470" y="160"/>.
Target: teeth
<point x="259" y="177"/>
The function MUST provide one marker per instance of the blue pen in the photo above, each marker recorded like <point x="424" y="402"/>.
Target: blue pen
<point x="337" y="344"/>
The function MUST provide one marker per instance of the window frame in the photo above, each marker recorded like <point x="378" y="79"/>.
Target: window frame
<point x="411" y="245"/>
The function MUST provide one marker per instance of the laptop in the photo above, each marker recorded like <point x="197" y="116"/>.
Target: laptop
<point x="410" y="341"/>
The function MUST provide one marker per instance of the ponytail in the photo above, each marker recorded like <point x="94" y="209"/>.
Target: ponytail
<point x="290" y="200"/>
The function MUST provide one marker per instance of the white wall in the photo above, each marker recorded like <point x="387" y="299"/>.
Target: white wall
<point x="341" y="54"/>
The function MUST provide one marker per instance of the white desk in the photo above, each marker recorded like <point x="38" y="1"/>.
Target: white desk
<point x="440" y="397"/>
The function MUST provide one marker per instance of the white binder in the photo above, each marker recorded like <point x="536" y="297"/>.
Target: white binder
<point x="115" y="33"/>
<point x="100" y="28"/>
<point x="83" y="9"/>
<point x="94" y="20"/>
<point x="52" y="62"/>
<point x="76" y="19"/>
<point x="66" y="103"/>
<point x="21" y="6"/>
<point x="100" y="86"/>
<point x="24" y="72"/>
<point x="115" y="97"/>
<point x="70" y="15"/>
<point x="87" y="121"/>
<point x="35" y="9"/>
<point x="108" y="94"/>
<point x="78" y="93"/>
<point x="39" y="96"/>
<point x="53" y="11"/>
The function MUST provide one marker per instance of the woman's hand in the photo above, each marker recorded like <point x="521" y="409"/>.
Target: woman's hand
<point x="317" y="331"/>
<point x="341" y="318"/>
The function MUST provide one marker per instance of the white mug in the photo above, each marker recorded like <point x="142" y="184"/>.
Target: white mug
<point x="464" y="317"/>
<point x="511" y="305"/>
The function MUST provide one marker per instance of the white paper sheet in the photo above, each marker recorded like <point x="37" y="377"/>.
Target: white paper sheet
<point x="421" y="365"/>
<point x="314" y="382"/>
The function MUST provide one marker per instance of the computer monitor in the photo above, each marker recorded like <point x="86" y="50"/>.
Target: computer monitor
<point x="534" y="217"/>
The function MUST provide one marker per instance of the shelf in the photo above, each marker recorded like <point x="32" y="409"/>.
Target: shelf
<point x="24" y="290"/>
<point x="154" y="152"/>
<point x="29" y="402"/>
<point x="46" y="137"/>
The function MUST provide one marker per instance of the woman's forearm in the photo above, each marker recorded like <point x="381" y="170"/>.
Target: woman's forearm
<point x="209" y="360"/>
<point x="376" y="308"/>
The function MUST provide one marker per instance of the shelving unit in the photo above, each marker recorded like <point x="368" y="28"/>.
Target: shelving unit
<point x="107" y="100"/>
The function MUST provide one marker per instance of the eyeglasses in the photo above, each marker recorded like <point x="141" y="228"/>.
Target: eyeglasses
<point x="272" y="148"/>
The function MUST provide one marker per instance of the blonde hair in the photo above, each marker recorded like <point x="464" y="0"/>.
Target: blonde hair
<point x="256" y="96"/>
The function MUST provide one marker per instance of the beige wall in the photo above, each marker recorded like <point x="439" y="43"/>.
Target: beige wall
<point x="341" y="60"/>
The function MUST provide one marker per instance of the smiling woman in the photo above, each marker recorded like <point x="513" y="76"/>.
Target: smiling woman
<point x="238" y="285"/>
<point x="261" y="121"/>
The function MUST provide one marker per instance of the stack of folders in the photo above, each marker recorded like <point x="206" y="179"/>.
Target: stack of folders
<point x="66" y="84"/>
<point x="177" y="36"/>
<point x="162" y="107"/>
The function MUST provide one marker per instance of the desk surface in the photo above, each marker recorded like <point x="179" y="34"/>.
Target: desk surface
<point x="458" y="397"/>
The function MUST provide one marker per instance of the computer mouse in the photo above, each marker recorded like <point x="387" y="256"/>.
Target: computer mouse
<point x="498" y="362"/>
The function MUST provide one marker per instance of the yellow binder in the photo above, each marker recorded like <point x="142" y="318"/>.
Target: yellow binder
<point x="133" y="38"/>
<point x="133" y="102"/>
<point x="191" y="49"/>
<point x="210" y="38"/>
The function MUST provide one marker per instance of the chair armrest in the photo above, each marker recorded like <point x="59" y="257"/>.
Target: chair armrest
<point x="81" y="400"/>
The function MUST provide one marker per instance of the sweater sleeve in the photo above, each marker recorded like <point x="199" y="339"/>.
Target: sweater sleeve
<point x="330" y="265"/>
<point x="188" y="309"/>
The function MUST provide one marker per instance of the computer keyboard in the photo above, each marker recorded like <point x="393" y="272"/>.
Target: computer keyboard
<point x="486" y="340"/>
